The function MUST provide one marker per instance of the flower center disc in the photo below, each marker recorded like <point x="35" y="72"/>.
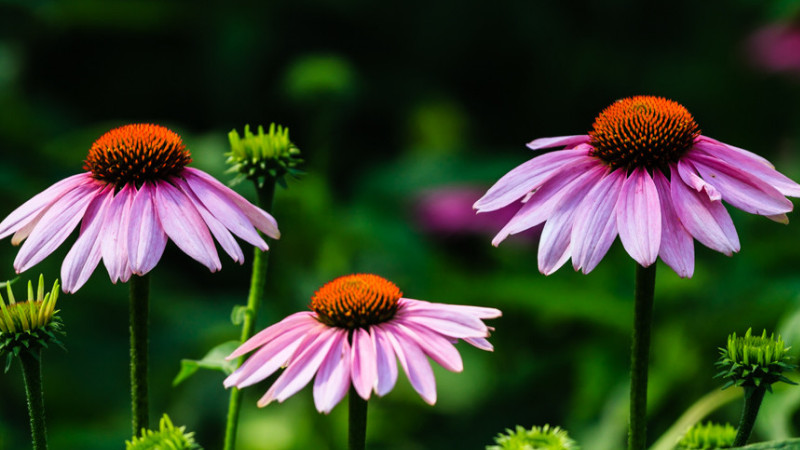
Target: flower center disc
<point x="137" y="153"/>
<point x="356" y="301"/>
<point x="643" y="131"/>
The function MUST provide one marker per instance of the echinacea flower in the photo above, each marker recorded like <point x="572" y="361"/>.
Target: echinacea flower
<point x="644" y="172"/>
<point x="137" y="192"/>
<point x="359" y="326"/>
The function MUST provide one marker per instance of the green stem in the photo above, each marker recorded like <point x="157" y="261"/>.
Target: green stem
<point x="258" y="281"/>
<point x="139" y="310"/>
<point x="357" y="435"/>
<point x="752" y="402"/>
<point x="640" y="354"/>
<point x="32" y="374"/>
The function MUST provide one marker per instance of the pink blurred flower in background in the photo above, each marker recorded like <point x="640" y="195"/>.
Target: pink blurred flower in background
<point x="776" y="48"/>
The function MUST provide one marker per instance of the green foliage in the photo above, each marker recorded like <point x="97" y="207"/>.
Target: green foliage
<point x="754" y="361"/>
<point x="537" y="438"/>
<point x="708" y="436"/>
<point x="214" y="360"/>
<point x="167" y="437"/>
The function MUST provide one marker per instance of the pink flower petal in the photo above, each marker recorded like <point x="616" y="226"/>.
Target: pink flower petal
<point x="305" y="319"/>
<point x="224" y="209"/>
<point x="550" y="142"/>
<point x="741" y="189"/>
<point x="113" y="236"/>
<point x="639" y="217"/>
<point x="677" y="245"/>
<point x="447" y="323"/>
<point x="480" y="312"/>
<point x="415" y="364"/>
<point x="364" y="368"/>
<point x="481" y="343"/>
<point x="690" y="177"/>
<point x="434" y="345"/>
<point x="218" y="230"/>
<point x="272" y="356"/>
<point x="385" y="361"/>
<point x="258" y="217"/>
<point x="333" y="379"/>
<point x="56" y="225"/>
<point x="525" y="178"/>
<point x="747" y="162"/>
<point x="146" y="239"/>
<point x="540" y="206"/>
<point x="302" y="368"/>
<point x="184" y="225"/>
<point x="555" y="242"/>
<point x="595" y="226"/>
<point x="37" y="205"/>
<point x="84" y="256"/>
<point x="706" y="220"/>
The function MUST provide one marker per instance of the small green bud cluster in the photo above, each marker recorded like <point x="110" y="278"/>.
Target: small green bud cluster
<point x="708" y="436"/>
<point x="537" y="438"/>
<point x="168" y="437"/>
<point x="264" y="155"/>
<point x="29" y="325"/>
<point x="754" y="361"/>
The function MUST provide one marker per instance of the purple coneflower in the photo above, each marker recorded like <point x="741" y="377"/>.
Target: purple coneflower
<point x="359" y="327"/>
<point x="136" y="193"/>
<point x="646" y="173"/>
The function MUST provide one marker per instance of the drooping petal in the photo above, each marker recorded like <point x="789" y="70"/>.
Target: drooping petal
<point x="146" y="238"/>
<point x="480" y="312"/>
<point x="748" y="162"/>
<point x="364" y="369"/>
<point x="706" y="220"/>
<point x="550" y="142"/>
<point x="740" y="188"/>
<point x="639" y="217"/>
<point x="448" y="323"/>
<point x="434" y="345"/>
<point x="218" y="230"/>
<point x="37" y="205"/>
<point x="555" y="242"/>
<point x="301" y="319"/>
<point x="386" y="362"/>
<point x="84" y="256"/>
<point x="677" y="245"/>
<point x="689" y="176"/>
<point x="223" y="209"/>
<point x="56" y="225"/>
<point x="539" y="207"/>
<point x="707" y="143"/>
<point x="302" y="368"/>
<point x="525" y="178"/>
<point x="184" y="225"/>
<point x="416" y="366"/>
<point x="481" y="343"/>
<point x="258" y="217"/>
<point x="113" y="237"/>
<point x="272" y="356"/>
<point x="595" y="226"/>
<point x="333" y="379"/>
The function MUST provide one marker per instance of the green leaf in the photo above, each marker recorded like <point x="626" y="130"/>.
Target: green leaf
<point x="214" y="360"/>
<point x="238" y="314"/>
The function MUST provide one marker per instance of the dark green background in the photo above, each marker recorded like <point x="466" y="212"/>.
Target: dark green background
<point x="388" y="100"/>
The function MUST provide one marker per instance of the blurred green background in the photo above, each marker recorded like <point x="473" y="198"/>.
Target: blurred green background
<point x="391" y="102"/>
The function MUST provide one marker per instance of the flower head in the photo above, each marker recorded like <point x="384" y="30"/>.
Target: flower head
<point x="708" y="436"/>
<point x="168" y="436"/>
<point x="754" y="361"/>
<point x="137" y="193"/>
<point x="646" y="173"/>
<point x="537" y="438"/>
<point x="29" y="325"/>
<point x="359" y="326"/>
<point x="264" y="155"/>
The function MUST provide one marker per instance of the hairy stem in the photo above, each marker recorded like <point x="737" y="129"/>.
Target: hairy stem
<point x="640" y="354"/>
<point x="32" y="375"/>
<point x="139" y="311"/>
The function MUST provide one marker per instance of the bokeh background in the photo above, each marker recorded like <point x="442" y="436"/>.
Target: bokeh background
<point x="405" y="112"/>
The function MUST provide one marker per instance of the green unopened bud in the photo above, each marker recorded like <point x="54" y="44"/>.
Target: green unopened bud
<point x="167" y="437"/>
<point x="708" y="436"/>
<point x="754" y="361"/>
<point x="537" y="438"/>
<point x="261" y="156"/>
<point x="31" y="324"/>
